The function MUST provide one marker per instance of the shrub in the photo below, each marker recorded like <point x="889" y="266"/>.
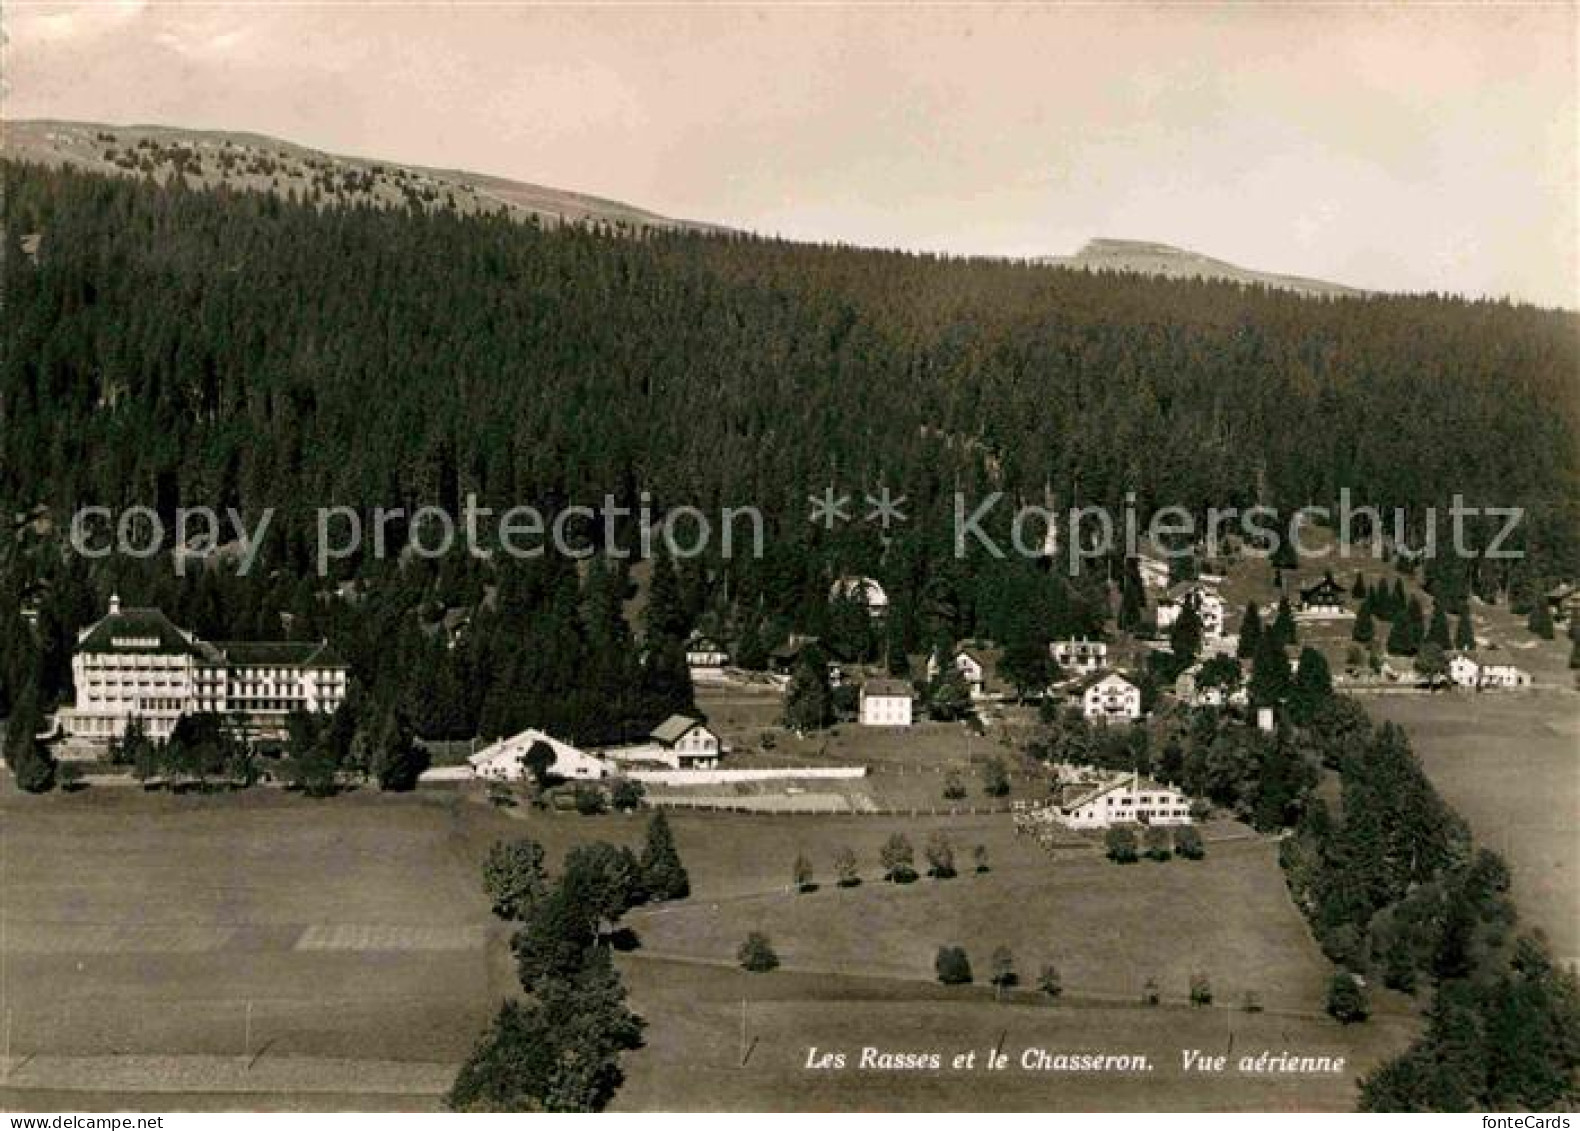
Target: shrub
<point x="1149" y="992"/>
<point x="626" y="794"/>
<point x="801" y="874"/>
<point x="1120" y="841"/>
<point x="952" y="966"/>
<point x="590" y="800"/>
<point x="954" y="788"/>
<point x="1049" y="981"/>
<point x="1347" y="998"/>
<point x="940" y="856"/>
<point x="845" y="872"/>
<point x="1200" y="990"/>
<point x="995" y="778"/>
<point x="979" y="856"/>
<point x="757" y="954"/>
<point x="898" y="859"/>
<point x="1188" y="843"/>
<point x="1159" y="845"/>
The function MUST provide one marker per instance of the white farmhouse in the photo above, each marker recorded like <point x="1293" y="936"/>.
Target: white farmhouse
<point x="506" y="760"/>
<point x="863" y="589"/>
<point x="1110" y="697"/>
<point x="1503" y="677"/>
<point x="686" y="743"/>
<point x="1464" y="672"/>
<point x="1207" y="602"/>
<point x="1081" y="656"/>
<point x="969" y="667"/>
<point x="1127" y="799"/>
<point x="886" y="703"/>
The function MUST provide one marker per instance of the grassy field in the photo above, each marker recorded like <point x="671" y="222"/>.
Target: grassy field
<point x="1510" y="763"/>
<point x="135" y="930"/>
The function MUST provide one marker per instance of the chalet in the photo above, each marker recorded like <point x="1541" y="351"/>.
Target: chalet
<point x="1203" y="598"/>
<point x="1189" y="689"/>
<point x="886" y="703"/>
<point x="1503" y="677"/>
<point x="783" y="658"/>
<point x="1324" y="599"/>
<point x="1464" y="672"/>
<point x="687" y="744"/>
<point x="1564" y="600"/>
<point x="1126" y="799"/>
<point x="705" y="657"/>
<point x="506" y="760"/>
<point x="1081" y="656"/>
<point x="1110" y="697"/>
<point x="863" y="589"/>
<point x="971" y="670"/>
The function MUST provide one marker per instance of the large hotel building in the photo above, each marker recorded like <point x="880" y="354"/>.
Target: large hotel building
<point x="136" y="662"/>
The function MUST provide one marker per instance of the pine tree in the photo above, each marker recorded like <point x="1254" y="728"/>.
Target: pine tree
<point x="1284" y="625"/>
<point x="1269" y="681"/>
<point x="1465" y="632"/>
<point x="1540" y="620"/>
<point x="1250" y="631"/>
<point x="1359" y="590"/>
<point x="663" y="875"/>
<point x="1438" y="633"/>
<point x="1313" y="686"/>
<point x="1364" y="631"/>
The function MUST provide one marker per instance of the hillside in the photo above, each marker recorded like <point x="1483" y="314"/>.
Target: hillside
<point x="210" y="159"/>
<point x="1164" y="261"/>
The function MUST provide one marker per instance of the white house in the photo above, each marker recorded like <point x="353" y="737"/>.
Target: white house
<point x="1464" y="672"/>
<point x="1110" y="696"/>
<point x="1208" y="605"/>
<point x="1081" y="656"/>
<point x="1127" y="799"/>
<point x="137" y="663"/>
<point x="863" y="589"/>
<point x="506" y="760"/>
<point x="686" y="743"/>
<point x="1502" y="677"/>
<point x="1154" y="572"/>
<point x="969" y="667"/>
<point x="705" y="657"/>
<point x="886" y="703"/>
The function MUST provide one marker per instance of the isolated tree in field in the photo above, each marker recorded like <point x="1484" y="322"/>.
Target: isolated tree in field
<point x="1346" y="998"/>
<point x="954" y="788"/>
<point x="1158" y="845"/>
<point x="1200" y="990"/>
<point x="1431" y="665"/>
<point x="1540" y="621"/>
<point x="846" y="871"/>
<point x="1003" y="966"/>
<point x="940" y="856"/>
<point x="1250" y="631"/>
<point x="801" y="873"/>
<point x="1438" y="632"/>
<point x="1120" y="842"/>
<point x="1149" y="992"/>
<point x="952" y="966"/>
<point x="1049" y="981"/>
<point x="995" y="777"/>
<point x="663" y="875"/>
<point x="1364" y="631"/>
<point x="757" y="954"/>
<point x="513" y="876"/>
<point x="1465" y="632"/>
<point x="898" y="860"/>
<point x="1188" y="843"/>
<point x="979" y="857"/>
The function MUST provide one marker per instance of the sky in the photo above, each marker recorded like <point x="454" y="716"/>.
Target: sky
<point x="1397" y="147"/>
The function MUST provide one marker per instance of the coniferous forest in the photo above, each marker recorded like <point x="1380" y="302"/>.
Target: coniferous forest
<point x="171" y="347"/>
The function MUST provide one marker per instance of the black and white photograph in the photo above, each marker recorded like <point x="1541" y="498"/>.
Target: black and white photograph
<point x="860" y="557"/>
